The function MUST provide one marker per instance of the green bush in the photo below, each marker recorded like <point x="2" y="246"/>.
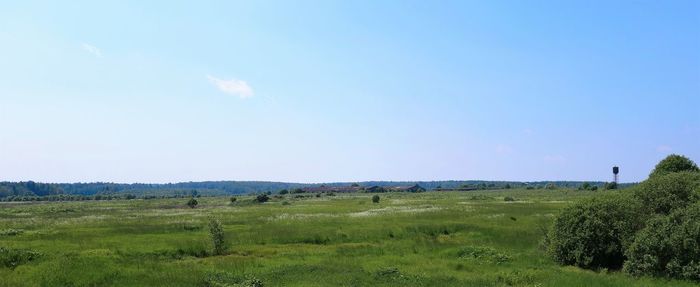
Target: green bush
<point x="233" y="199"/>
<point x="611" y="185"/>
<point x="192" y="203"/>
<point x="375" y="198"/>
<point x="262" y="198"/>
<point x="595" y="232"/>
<point x="674" y="163"/>
<point x="11" y="232"/>
<point x="216" y="233"/>
<point x="11" y="258"/>
<point x="668" y="245"/>
<point x="508" y="198"/>
<point x="664" y="193"/>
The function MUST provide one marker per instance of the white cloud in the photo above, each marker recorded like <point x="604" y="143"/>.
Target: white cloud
<point x="233" y="86"/>
<point x="92" y="49"/>
<point x="664" y="149"/>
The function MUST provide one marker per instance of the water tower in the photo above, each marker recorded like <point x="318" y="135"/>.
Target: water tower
<point x="616" y="170"/>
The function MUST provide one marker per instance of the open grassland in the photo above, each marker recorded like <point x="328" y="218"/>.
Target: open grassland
<point x="424" y="239"/>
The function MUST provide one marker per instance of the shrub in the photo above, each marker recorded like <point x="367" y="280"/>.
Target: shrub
<point x="375" y="198"/>
<point x="594" y="233"/>
<point x="283" y="192"/>
<point x="585" y="186"/>
<point x="233" y="199"/>
<point x="192" y="203"/>
<point x="668" y="245"/>
<point x="664" y="193"/>
<point x="11" y="258"/>
<point x="216" y="233"/>
<point x="508" y="198"/>
<point x="11" y="232"/>
<point x="550" y="186"/>
<point x="611" y="185"/>
<point x="674" y="163"/>
<point x="262" y="198"/>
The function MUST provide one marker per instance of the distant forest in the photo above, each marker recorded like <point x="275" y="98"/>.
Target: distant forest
<point x="30" y="188"/>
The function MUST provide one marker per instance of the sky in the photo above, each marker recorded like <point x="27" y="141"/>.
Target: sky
<point x="321" y="91"/>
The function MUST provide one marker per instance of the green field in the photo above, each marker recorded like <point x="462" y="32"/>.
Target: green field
<point x="424" y="239"/>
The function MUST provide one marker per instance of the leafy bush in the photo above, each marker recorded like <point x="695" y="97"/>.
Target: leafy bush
<point x="262" y="198"/>
<point x="11" y="258"/>
<point x="674" y="163"/>
<point x="11" y="232"/>
<point x="611" y="185"/>
<point x="508" y="198"/>
<point x="375" y="198"/>
<point x="595" y="232"/>
<point x="585" y="186"/>
<point x="284" y="191"/>
<point x="216" y="233"/>
<point x="233" y="199"/>
<point x="668" y="245"/>
<point x="192" y="203"/>
<point x="666" y="192"/>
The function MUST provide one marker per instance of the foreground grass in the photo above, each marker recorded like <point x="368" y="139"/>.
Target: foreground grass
<point x="427" y="239"/>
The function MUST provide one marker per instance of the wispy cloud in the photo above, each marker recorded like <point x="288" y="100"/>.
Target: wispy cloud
<point x="92" y="49"/>
<point x="664" y="149"/>
<point x="233" y="86"/>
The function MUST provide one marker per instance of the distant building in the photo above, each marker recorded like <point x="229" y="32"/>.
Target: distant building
<point x="327" y="189"/>
<point x="409" y="188"/>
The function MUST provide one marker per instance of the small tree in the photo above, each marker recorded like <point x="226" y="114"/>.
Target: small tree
<point x="375" y="198"/>
<point x="611" y="185"/>
<point x="233" y="199"/>
<point x="262" y="198"/>
<point x="192" y="203"/>
<point x="283" y="192"/>
<point x="216" y="232"/>
<point x="594" y="232"/>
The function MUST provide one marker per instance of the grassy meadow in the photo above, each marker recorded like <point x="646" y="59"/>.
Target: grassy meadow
<point x="425" y="239"/>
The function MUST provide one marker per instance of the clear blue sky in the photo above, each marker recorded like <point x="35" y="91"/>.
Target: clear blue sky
<point x="317" y="91"/>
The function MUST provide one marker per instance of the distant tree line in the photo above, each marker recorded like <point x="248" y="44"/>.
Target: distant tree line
<point x="27" y="190"/>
